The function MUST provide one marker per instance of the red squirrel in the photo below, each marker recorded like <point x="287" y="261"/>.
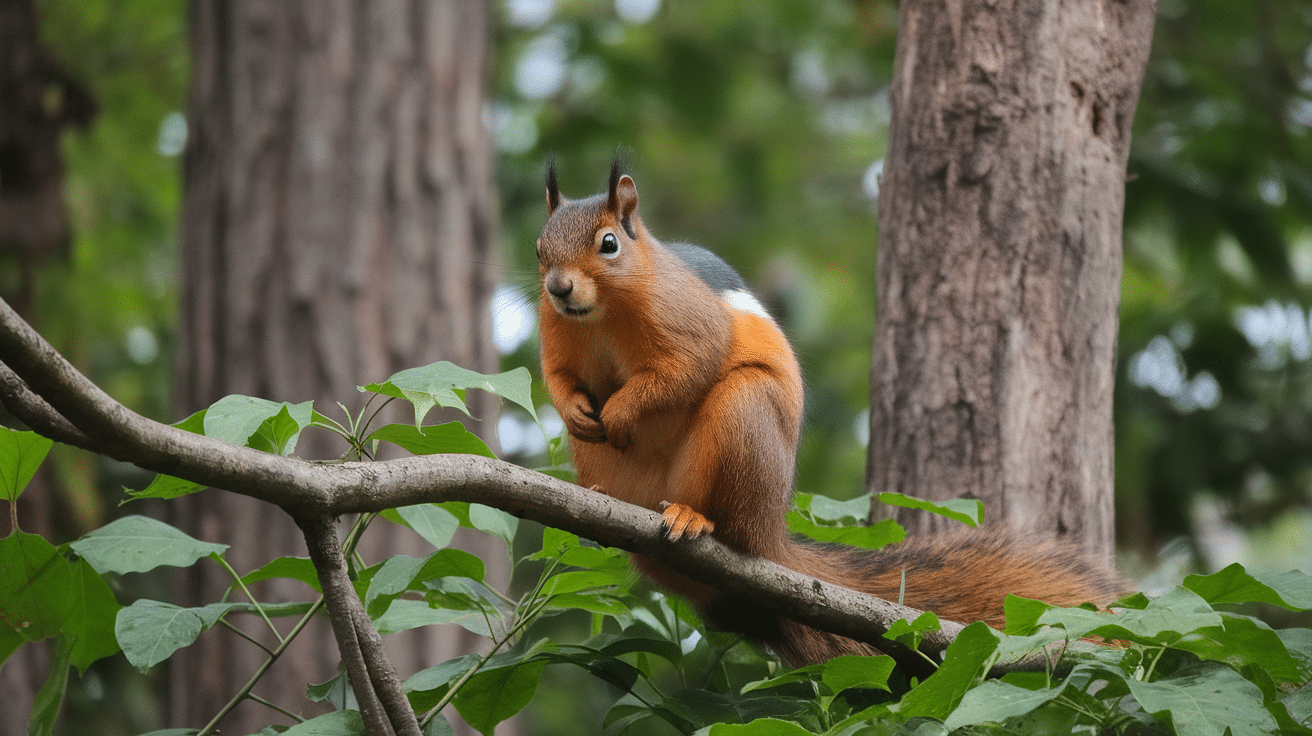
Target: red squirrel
<point x="680" y="394"/>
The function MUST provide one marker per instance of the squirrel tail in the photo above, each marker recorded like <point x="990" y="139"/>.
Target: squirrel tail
<point x="964" y="576"/>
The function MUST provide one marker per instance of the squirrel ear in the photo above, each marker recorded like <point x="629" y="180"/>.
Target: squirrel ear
<point x="624" y="203"/>
<point x="553" y="190"/>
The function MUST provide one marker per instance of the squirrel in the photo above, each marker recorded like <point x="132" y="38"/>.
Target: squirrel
<point x="682" y="395"/>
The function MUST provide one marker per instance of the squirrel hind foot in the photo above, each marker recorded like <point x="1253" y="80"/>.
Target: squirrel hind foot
<point x="684" y="522"/>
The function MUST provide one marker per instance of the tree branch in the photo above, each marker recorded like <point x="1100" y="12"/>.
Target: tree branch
<point x="383" y="704"/>
<point x="74" y="408"/>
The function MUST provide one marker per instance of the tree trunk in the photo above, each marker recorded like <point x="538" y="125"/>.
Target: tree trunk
<point x="37" y="100"/>
<point x="999" y="259"/>
<point x="337" y="227"/>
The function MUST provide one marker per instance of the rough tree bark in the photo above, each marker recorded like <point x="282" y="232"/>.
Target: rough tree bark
<point x="337" y="227"/>
<point x="37" y="100"/>
<point x="999" y="258"/>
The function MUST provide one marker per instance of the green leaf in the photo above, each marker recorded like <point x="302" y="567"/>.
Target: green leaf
<point x="336" y="692"/>
<point x="854" y="510"/>
<point x="494" y="521"/>
<point x="966" y="660"/>
<point x="210" y="613"/>
<point x="36" y="586"/>
<point x="968" y="511"/>
<point x="614" y="645"/>
<point x="90" y="625"/>
<point x="437" y="385"/>
<point x="194" y="423"/>
<point x="1165" y="619"/>
<point x="1240" y="641"/>
<point x="606" y="605"/>
<point x="405" y="614"/>
<point x="1299" y="704"/>
<point x="879" y="535"/>
<point x="465" y="594"/>
<point x="151" y="631"/>
<point x="278" y="434"/>
<point x="1298" y="642"/>
<point x="427" y="686"/>
<point x="49" y="699"/>
<point x="336" y="723"/>
<point x="1023" y="614"/>
<point x="908" y="632"/>
<point x="1291" y="589"/>
<point x="492" y="696"/>
<point x="139" y="544"/>
<point x="841" y="673"/>
<point x="429" y="520"/>
<point x="485" y="518"/>
<point x="994" y="701"/>
<point x="21" y="454"/>
<point x="266" y="425"/>
<point x="438" y="727"/>
<point x="758" y="727"/>
<point x="615" y="672"/>
<point x="401" y="573"/>
<point x="449" y="438"/>
<point x="173" y="732"/>
<point x="577" y="581"/>
<point x="1208" y="699"/>
<point x="10" y="641"/>
<point x="164" y="486"/>
<point x="295" y="568"/>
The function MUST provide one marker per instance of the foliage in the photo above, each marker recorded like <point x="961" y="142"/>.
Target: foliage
<point x="1177" y="652"/>
<point x="1214" y="391"/>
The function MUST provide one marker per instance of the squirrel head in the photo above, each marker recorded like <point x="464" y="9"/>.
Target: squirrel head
<point x="591" y="249"/>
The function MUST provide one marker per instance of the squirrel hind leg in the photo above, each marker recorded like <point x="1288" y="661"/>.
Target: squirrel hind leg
<point x="735" y="467"/>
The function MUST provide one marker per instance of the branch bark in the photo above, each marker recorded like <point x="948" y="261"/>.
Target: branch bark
<point x="60" y="397"/>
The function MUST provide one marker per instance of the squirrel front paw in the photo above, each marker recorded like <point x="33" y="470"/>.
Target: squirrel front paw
<point x="619" y="425"/>
<point x="582" y="419"/>
<point x="683" y="521"/>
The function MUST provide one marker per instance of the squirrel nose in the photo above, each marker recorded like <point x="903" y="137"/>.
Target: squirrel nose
<point x="559" y="286"/>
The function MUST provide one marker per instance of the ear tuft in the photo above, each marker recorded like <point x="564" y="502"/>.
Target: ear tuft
<point x="624" y="203"/>
<point x="553" y="189"/>
<point x="616" y="170"/>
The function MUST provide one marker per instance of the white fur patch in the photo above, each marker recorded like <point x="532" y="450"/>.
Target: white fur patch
<point x="744" y="301"/>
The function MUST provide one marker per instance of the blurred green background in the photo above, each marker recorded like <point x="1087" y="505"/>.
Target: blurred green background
<point x="758" y="129"/>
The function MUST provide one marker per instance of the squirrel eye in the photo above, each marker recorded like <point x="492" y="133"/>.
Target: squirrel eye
<point x="610" y="245"/>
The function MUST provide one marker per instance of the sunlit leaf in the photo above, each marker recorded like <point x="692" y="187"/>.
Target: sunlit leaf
<point x="21" y="454"/>
<point x="968" y="511"/>
<point x="443" y="384"/>
<point x="451" y="437"/>
<point x="139" y="544"/>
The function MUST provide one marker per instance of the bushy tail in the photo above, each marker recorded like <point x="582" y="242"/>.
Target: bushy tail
<point x="963" y="577"/>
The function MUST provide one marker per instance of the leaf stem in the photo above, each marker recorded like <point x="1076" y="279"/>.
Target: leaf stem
<point x="258" y="608"/>
<point x="212" y="727"/>
<point x="274" y="706"/>
<point x="237" y="630"/>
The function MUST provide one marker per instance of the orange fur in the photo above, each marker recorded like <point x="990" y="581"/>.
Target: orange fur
<point x="680" y="403"/>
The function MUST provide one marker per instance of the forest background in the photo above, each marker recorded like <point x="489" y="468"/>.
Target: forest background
<point x="757" y="129"/>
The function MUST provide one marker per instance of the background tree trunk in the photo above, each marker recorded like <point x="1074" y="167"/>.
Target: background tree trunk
<point x="999" y="259"/>
<point x="37" y="100"/>
<point x="337" y="227"/>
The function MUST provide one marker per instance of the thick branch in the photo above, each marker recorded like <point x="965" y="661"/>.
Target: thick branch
<point x="382" y="702"/>
<point x="308" y="490"/>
